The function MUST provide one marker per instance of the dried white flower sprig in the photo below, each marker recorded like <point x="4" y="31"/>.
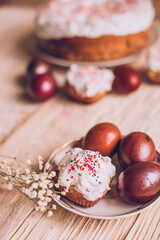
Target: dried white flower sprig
<point x="37" y="186"/>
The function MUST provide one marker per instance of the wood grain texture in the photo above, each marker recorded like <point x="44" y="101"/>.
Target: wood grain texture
<point x="28" y="129"/>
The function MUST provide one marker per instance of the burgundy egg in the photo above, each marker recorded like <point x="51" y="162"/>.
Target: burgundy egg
<point x="41" y="87"/>
<point x="139" y="183"/>
<point x="127" y="79"/>
<point x="38" y="67"/>
<point x="136" y="147"/>
<point x="103" y="137"/>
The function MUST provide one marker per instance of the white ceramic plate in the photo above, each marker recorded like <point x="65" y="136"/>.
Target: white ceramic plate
<point x="112" y="63"/>
<point x="111" y="206"/>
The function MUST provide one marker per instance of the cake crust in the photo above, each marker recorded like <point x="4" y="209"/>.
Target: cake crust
<point x="103" y="48"/>
<point x="71" y="92"/>
<point x="78" y="198"/>
<point x="154" y="76"/>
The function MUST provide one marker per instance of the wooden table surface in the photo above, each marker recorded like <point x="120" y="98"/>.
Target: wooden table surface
<point x="28" y="129"/>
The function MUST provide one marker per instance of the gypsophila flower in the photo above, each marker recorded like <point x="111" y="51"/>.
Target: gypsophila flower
<point x="42" y="209"/>
<point x="53" y="174"/>
<point x="63" y="193"/>
<point x="48" y="199"/>
<point x="49" y="193"/>
<point x="47" y="181"/>
<point x="36" y="177"/>
<point x="42" y="203"/>
<point x="5" y="178"/>
<point x="47" y="166"/>
<point x="50" y="213"/>
<point x="37" y="208"/>
<point x="9" y="186"/>
<point x="24" y="177"/>
<point x="42" y="192"/>
<point x="50" y="185"/>
<point x="33" y="194"/>
<point x="28" y="161"/>
<point x="42" y="185"/>
<point x="34" y="185"/>
<point x="23" y="189"/>
<point x="37" y="186"/>
<point x="40" y="166"/>
<point x="42" y="198"/>
<point x="9" y="171"/>
<point x="17" y="171"/>
<point x="28" y="191"/>
<point x="56" y="185"/>
<point x="55" y="197"/>
<point x="27" y="170"/>
<point x="40" y="158"/>
<point x="43" y="176"/>
<point x="54" y="206"/>
<point x="27" y="181"/>
<point x="40" y="163"/>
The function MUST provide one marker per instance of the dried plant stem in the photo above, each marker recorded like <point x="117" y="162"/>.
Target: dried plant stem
<point x="36" y="186"/>
<point x="25" y="194"/>
<point x="4" y="156"/>
<point x="9" y="157"/>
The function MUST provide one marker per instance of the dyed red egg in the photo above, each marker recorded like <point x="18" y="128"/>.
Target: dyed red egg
<point x="127" y="79"/>
<point x="139" y="183"/>
<point x="38" y="67"/>
<point x="41" y="87"/>
<point x="103" y="137"/>
<point x="136" y="147"/>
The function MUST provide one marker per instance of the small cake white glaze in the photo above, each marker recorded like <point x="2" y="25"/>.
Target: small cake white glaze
<point x="153" y="58"/>
<point x="93" y="18"/>
<point x="90" y="80"/>
<point x="89" y="172"/>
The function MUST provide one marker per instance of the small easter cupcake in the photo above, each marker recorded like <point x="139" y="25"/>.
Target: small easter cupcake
<point x="87" y="84"/>
<point x="85" y="176"/>
<point x="153" y="64"/>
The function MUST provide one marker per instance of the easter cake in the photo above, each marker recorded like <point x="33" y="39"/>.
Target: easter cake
<point x="93" y="30"/>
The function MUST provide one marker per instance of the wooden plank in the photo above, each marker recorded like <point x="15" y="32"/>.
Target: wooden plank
<point x="55" y="117"/>
<point x="146" y="225"/>
<point x="15" y="108"/>
<point x="44" y="127"/>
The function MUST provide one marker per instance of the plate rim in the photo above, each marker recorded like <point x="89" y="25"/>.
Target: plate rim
<point x="76" y="211"/>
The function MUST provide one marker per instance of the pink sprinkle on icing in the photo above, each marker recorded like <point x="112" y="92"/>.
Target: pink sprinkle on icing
<point x="84" y="163"/>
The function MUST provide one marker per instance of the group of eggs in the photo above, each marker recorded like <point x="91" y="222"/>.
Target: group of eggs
<point x="42" y="85"/>
<point x="139" y="180"/>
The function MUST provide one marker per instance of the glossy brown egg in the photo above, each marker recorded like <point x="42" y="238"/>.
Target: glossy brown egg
<point x="139" y="183"/>
<point x="136" y="147"/>
<point x="103" y="137"/>
<point x="127" y="79"/>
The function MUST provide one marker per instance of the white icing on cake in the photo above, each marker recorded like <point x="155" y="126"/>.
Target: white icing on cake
<point x="90" y="80"/>
<point x="88" y="171"/>
<point x="93" y="18"/>
<point x="153" y="58"/>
